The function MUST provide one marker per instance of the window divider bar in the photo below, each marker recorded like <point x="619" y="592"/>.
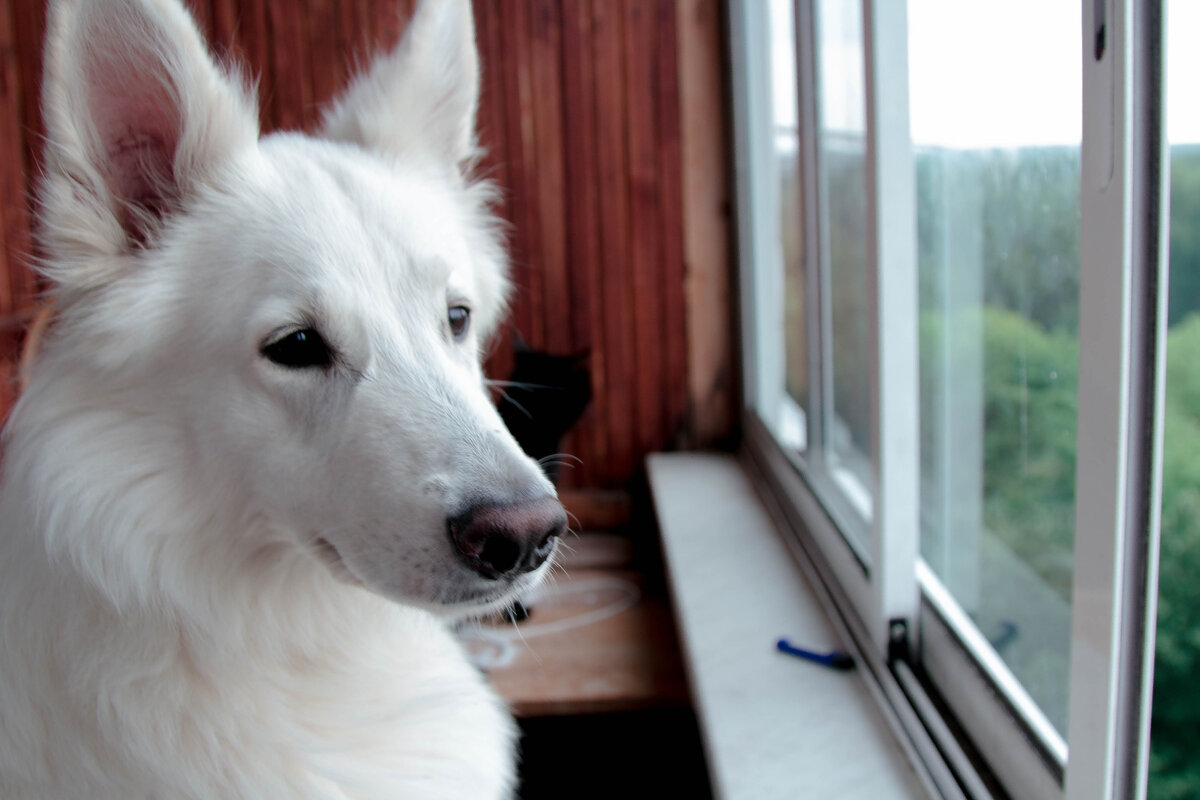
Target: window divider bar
<point x="750" y="64"/>
<point x="1149" y="239"/>
<point x="816" y="251"/>
<point x="892" y="248"/>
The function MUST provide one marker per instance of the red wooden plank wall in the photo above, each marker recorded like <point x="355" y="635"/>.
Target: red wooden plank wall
<point x="581" y="118"/>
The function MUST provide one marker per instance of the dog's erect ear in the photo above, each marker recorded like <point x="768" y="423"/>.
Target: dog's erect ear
<point x="422" y="96"/>
<point x="137" y="114"/>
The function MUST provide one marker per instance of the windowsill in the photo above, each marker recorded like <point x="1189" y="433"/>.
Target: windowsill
<point x="773" y="725"/>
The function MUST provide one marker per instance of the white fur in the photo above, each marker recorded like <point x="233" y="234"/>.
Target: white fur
<point x="169" y="624"/>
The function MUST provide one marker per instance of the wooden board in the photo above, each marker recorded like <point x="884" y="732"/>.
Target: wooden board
<point x="600" y="639"/>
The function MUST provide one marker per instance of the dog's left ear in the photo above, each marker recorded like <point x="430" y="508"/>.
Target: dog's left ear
<point x="422" y="96"/>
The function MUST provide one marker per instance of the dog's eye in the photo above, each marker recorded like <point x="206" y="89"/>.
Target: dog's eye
<point x="300" y="349"/>
<point x="460" y="321"/>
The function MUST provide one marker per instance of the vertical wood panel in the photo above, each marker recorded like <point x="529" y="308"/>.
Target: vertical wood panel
<point x="252" y="50"/>
<point x="643" y="266"/>
<point x="10" y="343"/>
<point x="17" y="288"/>
<point x="492" y="132"/>
<point x="326" y="62"/>
<point x="29" y="28"/>
<point x="617" y="405"/>
<point x="492" y="139"/>
<point x="350" y="41"/>
<point x="705" y="206"/>
<point x="287" y="97"/>
<point x="590" y="441"/>
<point x="225" y="28"/>
<point x="491" y="119"/>
<point x="545" y="67"/>
<point x="21" y="33"/>
<point x="522" y="176"/>
<point x="11" y="180"/>
<point x="671" y="274"/>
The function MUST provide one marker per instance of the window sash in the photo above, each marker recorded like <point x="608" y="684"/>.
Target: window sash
<point x="1121" y="377"/>
<point x="1119" y="424"/>
<point x="895" y="402"/>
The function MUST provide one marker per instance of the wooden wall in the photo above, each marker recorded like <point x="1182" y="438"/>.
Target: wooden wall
<point x="604" y="127"/>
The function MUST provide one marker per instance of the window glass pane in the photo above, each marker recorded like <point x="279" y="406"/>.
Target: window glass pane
<point x="997" y="146"/>
<point x="1175" y="722"/>
<point x="792" y="418"/>
<point x="845" y="260"/>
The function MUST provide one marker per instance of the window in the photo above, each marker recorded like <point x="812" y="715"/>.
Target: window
<point x="996" y="149"/>
<point x="788" y="413"/>
<point x="845" y="263"/>
<point x="953" y="349"/>
<point x="1175" y="727"/>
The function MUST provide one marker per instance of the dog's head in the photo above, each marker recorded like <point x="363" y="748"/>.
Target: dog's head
<point x="292" y="324"/>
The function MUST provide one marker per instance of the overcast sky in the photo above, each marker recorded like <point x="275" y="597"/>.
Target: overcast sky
<point x="986" y="74"/>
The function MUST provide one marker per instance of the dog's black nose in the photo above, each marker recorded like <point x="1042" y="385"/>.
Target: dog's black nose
<point x="506" y="540"/>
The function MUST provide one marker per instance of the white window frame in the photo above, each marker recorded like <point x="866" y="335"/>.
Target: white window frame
<point x="1118" y="480"/>
<point x="1122" y="332"/>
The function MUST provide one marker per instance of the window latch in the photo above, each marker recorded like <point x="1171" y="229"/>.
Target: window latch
<point x="897" y="647"/>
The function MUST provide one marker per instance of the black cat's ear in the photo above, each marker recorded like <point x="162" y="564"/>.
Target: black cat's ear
<point x="519" y="345"/>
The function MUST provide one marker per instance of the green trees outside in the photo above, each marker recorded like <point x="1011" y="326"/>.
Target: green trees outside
<point x="1027" y="307"/>
<point x="1175" y="726"/>
<point x="1185" y="232"/>
<point x="998" y="255"/>
<point x="1030" y="380"/>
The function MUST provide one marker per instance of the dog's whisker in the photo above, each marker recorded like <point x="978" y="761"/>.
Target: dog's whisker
<point x="519" y="384"/>
<point x="561" y="457"/>
<point x="557" y="465"/>
<point x="505" y="396"/>
<point x="557" y="569"/>
<point x="516" y="626"/>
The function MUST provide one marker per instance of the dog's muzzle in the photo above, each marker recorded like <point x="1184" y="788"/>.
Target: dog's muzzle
<point x="504" y="541"/>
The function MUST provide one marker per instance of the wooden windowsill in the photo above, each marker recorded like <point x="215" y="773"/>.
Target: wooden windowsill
<point x="600" y="639"/>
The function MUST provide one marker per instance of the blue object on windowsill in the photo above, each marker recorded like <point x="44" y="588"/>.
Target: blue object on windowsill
<point x="834" y="660"/>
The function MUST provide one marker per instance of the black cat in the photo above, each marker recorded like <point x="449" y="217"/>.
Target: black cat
<point x="544" y="396"/>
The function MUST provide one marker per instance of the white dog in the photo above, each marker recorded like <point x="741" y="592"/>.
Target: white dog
<point x="257" y="456"/>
